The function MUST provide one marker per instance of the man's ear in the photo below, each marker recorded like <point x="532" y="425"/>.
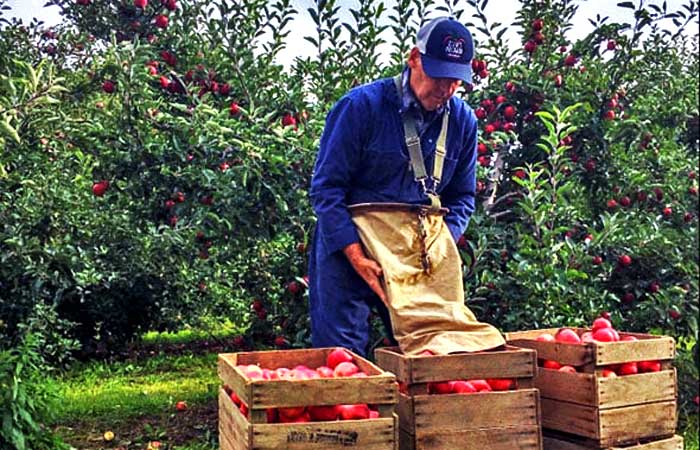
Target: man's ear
<point x="413" y="58"/>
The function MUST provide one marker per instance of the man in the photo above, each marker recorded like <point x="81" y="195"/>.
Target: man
<point x="377" y="142"/>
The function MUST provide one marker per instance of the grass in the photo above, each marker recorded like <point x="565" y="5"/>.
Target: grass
<point x="690" y="432"/>
<point x="136" y="400"/>
<point x="118" y="390"/>
<point x="219" y="331"/>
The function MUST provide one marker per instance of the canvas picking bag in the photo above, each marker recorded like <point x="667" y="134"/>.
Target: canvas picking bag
<point x="422" y="278"/>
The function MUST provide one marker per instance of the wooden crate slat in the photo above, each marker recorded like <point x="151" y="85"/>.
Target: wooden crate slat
<point x="233" y="428"/>
<point x="673" y="443"/>
<point x="611" y="426"/>
<point x="661" y="348"/>
<point x="577" y="388"/>
<point x="391" y="360"/>
<point x="274" y="359"/>
<point x="527" y="437"/>
<point x="622" y="425"/>
<point x="646" y="348"/>
<point x="455" y="412"/>
<point x="406" y="413"/>
<point x="375" y="434"/>
<point x="509" y="363"/>
<point x="325" y="391"/>
<point x="231" y="377"/>
<point x="569" y="354"/>
<point x="310" y="357"/>
<point x="636" y="389"/>
<point x="605" y="393"/>
<point x="554" y="441"/>
<point x="378" y="388"/>
<point x="569" y="417"/>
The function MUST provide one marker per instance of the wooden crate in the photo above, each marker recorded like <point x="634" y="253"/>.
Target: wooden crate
<point x="558" y="441"/>
<point x="607" y="393"/>
<point x="592" y="356"/>
<point x="237" y="432"/>
<point x="483" y="421"/>
<point x="608" y="411"/>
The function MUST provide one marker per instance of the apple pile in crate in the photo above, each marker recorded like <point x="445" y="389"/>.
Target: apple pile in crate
<point x="601" y="331"/>
<point x="600" y="387"/>
<point x="471" y="386"/>
<point x="339" y="363"/>
<point x="307" y="399"/>
<point x="466" y="401"/>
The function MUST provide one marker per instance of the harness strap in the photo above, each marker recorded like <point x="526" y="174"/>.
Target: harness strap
<point x="416" y="154"/>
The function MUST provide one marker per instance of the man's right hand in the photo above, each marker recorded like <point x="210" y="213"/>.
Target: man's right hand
<point x="367" y="268"/>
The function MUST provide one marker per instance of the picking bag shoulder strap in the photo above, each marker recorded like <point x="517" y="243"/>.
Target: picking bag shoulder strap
<point x="416" y="154"/>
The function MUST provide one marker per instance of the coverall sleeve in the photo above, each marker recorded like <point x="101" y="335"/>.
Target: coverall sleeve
<point x="459" y="195"/>
<point x="338" y="158"/>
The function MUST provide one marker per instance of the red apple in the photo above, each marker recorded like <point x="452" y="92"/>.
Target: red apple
<point x="303" y="417"/>
<point x="99" y="188"/>
<point x="325" y="412"/>
<point x="628" y="369"/>
<point x="480" y="385"/>
<point x="607" y="373"/>
<point x="353" y="412"/>
<point x="251" y="371"/>
<point x="624" y="260"/>
<point x="443" y="387"/>
<point x="463" y="387"/>
<point x="545" y="337"/>
<point x="181" y="406"/>
<point x="530" y="46"/>
<point x="289" y="120"/>
<point x="141" y="3"/>
<point x="161" y="21"/>
<point x="108" y="86"/>
<point x="325" y="371"/>
<point x="567" y="336"/>
<point x="501" y="384"/>
<point x="291" y="412"/>
<point x="649" y="366"/>
<point x="604" y="335"/>
<point x="337" y="356"/>
<point x="271" y="414"/>
<point x="611" y="44"/>
<point x="345" y="369"/>
<point x="601" y="322"/>
<point x="549" y="364"/>
<point x="587" y="337"/>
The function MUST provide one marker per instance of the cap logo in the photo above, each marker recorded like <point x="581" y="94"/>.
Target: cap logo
<point x="454" y="47"/>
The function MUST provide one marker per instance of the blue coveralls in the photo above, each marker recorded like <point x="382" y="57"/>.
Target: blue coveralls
<point x="363" y="158"/>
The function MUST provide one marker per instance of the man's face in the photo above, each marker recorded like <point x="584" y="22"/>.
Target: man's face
<point x="430" y="92"/>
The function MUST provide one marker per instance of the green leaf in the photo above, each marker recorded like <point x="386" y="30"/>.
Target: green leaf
<point x="9" y="130"/>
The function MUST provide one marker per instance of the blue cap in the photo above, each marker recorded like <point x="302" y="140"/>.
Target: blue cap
<point x="446" y="49"/>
